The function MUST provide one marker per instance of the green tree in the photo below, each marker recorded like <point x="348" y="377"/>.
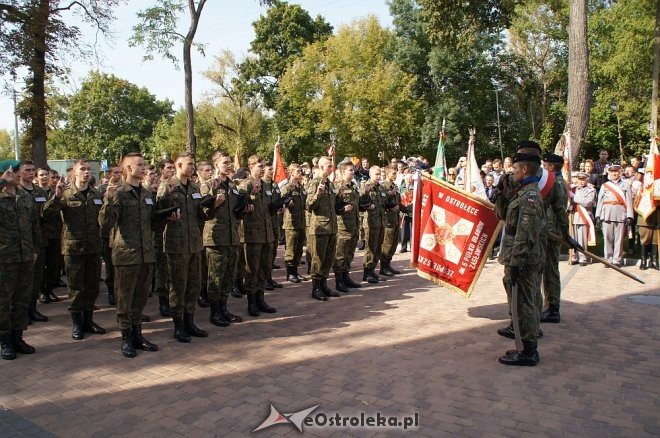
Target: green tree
<point x="33" y="35"/>
<point x="349" y="85"/>
<point x="6" y="145"/>
<point x="280" y="37"/>
<point x="109" y="117"/>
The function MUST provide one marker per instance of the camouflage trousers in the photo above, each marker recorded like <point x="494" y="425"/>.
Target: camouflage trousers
<point x="390" y="241"/>
<point x="258" y="265"/>
<point x="83" y="274"/>
<point x="160" y="272"/>
<point x="322" y="248"/>
<point x="374" y="246"/>
<point x="528" y="315"/>
<point x="39" y="266"/>
<point x="221" y="261"/>
<point x="551" y="279"/>
<point x="345" y="251"/>
<point x="543" y="240"/>
<point x="15" y="294"/>
<point x="132" y="285"/>
<point x="295" y="240"/>
<point x="106" y="253"/>
<point x="276" y="243"/>
<point x="185" y="276"/>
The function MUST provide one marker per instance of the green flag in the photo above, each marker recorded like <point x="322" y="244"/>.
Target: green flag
<point x="440" y="167"/>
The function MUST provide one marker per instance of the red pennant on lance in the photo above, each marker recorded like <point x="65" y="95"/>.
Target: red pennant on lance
<point x="330" y="150"/>
<point x="279" y="176"/>
<point x="453" y="234"/>
<point x="237" y="159"/>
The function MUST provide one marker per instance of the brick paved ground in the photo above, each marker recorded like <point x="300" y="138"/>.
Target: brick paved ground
<point x="401" y="347"/>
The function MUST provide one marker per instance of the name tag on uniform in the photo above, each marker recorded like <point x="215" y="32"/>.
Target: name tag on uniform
<point x="98" y="201"/>
<point x="196" y="196"/>
<point x="40" y="199"/>
<point x="149" y="201"/>
<point x="269" y="193"/>
<point x="295" y="193"/>
<point x="334" y="191"/>
<point x="383" y="194"/>
<point x="73" y="203"/>
<point x="235" y="192"/>
<point x="304" y="193"/>
<point x="348" y="192"/>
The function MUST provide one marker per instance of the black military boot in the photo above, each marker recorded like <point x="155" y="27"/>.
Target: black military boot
<point x="551" y="315"/>
<point x="180" y="333"/>
<point x="203" y="299"/>
<point x="269" y="286"/>
<point x="51" y="294"/>
<point x="326" y="290"/>
<point x="238" y="291"/>
<point x="643" y="265"/>
<point x="34" y="315"/>
<point x="369" y="276"/>
<point x="216" y="317"/>
<point x="339" y="282"/>
<point x="349" y="282"/>
<point x="191" y="328"/>
<point x="127" y="347"/>
<point x="507" y="331"/>
<point x="529" y="357"/>
<point x="653" y="263"/>
<point x="20" y="346"/>
<point x="77" y="332"/>
<point x="274" y="283"/>
<point x="317" y="293"/>
<point x="140" y="341"/>
<point x="228" y="315"/>
<point x="164" y="305"/>
<point x="291" y="274"/>
<point x="90" y="326"/>
<point x="384" y="270"/>
<point x="7" y="351"/>
<point x="262" y="305"/>
<point x="391" y="269"/>
<point x="112" y="301"/>
<point x="44" y="295"/>
<point x="252" y="305"/>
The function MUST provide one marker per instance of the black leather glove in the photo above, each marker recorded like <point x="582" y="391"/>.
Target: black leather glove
<point x="629" y="221"/>
<point x="599" y="223"/>
<point x="572" y="242"/>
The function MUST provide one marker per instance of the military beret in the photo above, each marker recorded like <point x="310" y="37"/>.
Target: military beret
<point x="614" y="168"/>
<point x="241" y="173"/>
<point x="528" y="144"/>
<point x="553" y="159"/>
<point x="527" y="158"/>
<point x="6" y="164"/>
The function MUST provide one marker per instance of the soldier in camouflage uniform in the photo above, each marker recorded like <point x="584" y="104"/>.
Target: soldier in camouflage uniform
<point x="182" y="244"/>
<point x="294" y="222"/>
<point x="557" y="216"/>
<point x="53" y="231"/>
<point x="520" y="252"/>
<point x="322" y="240"/>
<point x="205" y="173"/>
<point x="274" y="197"/>
<point x="39" y="196"/>
<point x="221" y="239"/>
<point x="256" y="235"/>
<point x="79" y="207"/>
<point x="374" y="222"/>
<point x="161" y="281"/>
<point x="393" y="222"/>
<point x="348" y="226"/>
<point x="19" y="242"/>
<point x="114" y="179"/>
<point x="128" y="213"/>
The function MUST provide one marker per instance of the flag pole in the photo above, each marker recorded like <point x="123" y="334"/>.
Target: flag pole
<point x="499" y="130"/>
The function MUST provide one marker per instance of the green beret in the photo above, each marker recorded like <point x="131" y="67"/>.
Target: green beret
<point x="6" y="164"/>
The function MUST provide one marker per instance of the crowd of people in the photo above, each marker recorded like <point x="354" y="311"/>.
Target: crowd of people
<point x="194" y="233"/>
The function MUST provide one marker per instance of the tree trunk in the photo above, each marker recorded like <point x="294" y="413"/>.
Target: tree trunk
<point x="195" y="13"/>
<point x="579" y="94"/>
<point x="656" y="72"/>
<point x="36" y="87"/>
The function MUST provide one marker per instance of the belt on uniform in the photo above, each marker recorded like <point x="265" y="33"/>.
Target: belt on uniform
<point x="612" y="203"/>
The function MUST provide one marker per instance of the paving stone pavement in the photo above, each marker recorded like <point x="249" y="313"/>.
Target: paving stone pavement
<point x="401" y="347"/>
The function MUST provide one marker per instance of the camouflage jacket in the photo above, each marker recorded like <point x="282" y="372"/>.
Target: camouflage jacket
<point x="348" y="193"/>
<point x="182" y="236"/>
<point x="81" y="233"/>
<point x="393" y="201"/>
<point x="377" y="196"/>
<point x="256" y="226"/>
<point x="520" y="246"/>
<point x="20" y="237"/>
<point x="323" y="217"/>
<point x="294" y="215"/>
<point x="129" y="218"/>
<point x="39" y="196"/>
<point x="223" y="227"/>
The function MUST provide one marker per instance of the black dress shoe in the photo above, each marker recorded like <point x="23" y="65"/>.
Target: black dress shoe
<point x="583" y="263"/>
<point x="507" y="331"/>
<point x="276" y="266"/>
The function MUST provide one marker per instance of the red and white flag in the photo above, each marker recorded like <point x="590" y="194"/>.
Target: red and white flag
<point x="473" y="182"/>
<point x="453" y="234"/>
<point x="650" y="193"/>
<point x="279" y="171"/>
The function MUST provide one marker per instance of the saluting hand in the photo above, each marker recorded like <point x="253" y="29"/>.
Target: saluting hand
<point x="348" y="207"/>
<point x="59" y="189"/>
<point x="220" y="198"/>
<point x="9" y="175"/>
<point x="111" y="191"/>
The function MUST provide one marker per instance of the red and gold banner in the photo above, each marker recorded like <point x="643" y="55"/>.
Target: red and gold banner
<point x="453" y="234"/>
